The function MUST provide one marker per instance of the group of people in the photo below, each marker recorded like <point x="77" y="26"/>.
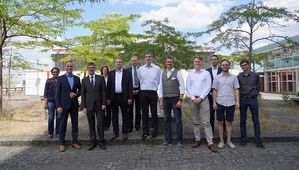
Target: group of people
<point x="102" y="96"/>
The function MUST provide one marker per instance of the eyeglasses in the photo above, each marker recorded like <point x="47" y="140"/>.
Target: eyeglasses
<point x="243" y="65"/>
<point x="91" y="67"/>
<point x="69" y="66"/>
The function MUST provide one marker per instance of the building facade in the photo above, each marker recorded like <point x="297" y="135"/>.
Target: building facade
<point x="282" y="73"/>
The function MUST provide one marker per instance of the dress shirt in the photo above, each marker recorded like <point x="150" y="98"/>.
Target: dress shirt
<point x="225" y="85"/>
<point x="133" y="81"/>
<point x="214" y="71"/>
<point x="70" y="79"/>
<point x="198" y="83"/>
<point x="180" y="79"/>
<point x="118" y="80"/>
<point x="149" y="77"/>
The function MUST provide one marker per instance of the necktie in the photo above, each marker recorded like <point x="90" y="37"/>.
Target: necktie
<point x="92" y="82"/>
<point x="136" y="80"/>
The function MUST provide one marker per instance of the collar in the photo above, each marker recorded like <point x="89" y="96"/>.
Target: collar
<point x="94" y="75"/>
<point x="121" y="70"/>
<point x="201" y="70"/>
<point x="151" y="65"/>
<point x="69" y="75"/>
<point x="249" y="73"/>
<point x="229" y="74"/>
<point x="214" y="68"/>
<point x="171" y="69"/>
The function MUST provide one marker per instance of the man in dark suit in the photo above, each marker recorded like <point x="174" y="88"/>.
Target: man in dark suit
<point x="67" y="93"/>
<point x="214" y="70"/>
<point x="136" y="96"/>
<point x="120" y="91"/>
<point x="93" y="97"/>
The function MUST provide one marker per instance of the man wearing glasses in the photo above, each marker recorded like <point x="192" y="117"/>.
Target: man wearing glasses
<point x="93" y="96"/>
<point x="225" y="100"/>
<point x="249" y="91"/>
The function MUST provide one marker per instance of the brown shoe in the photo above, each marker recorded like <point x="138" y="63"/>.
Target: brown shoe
<point x="61" y="148"/>
<point x="125" y="136"/>
<point x="76" y="146"/>
<point x="212" y="147"/>
<point x="196" y="144"/>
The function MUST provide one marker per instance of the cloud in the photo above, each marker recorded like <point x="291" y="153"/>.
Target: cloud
<point x="289" y="4"/>
<point x="188" y="14"/>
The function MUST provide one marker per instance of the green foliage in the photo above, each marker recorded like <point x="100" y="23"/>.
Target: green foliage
<point x="17" y="62"/>
<point x="110" y="35"/>
<point x="237" y="27"/>
<point x="285" y="97"/>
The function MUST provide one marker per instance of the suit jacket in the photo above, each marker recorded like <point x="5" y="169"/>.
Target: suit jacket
<point x="126" y="84"/>
<point x="130" y="70"/>
<point x="211" y="73"/>
<point x="63" y="90"/>
<point x="93" y="95"/>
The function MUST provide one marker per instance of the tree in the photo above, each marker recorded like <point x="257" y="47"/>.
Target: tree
<point x="237" y="27"/>
<point x="40" y="21"/>
<point x="110" y="35"/>
<point x="164" y="40"/>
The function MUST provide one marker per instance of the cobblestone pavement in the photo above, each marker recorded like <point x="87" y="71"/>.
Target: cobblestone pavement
<point x="275" y="156"/>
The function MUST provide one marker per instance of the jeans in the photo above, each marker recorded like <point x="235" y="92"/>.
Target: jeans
<point x="51" y="116"/>
<point x="169" y="103"/>
<point x="253" y="106"/>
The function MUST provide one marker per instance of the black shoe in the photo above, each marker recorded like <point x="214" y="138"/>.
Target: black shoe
<point x="137" y="129"/>
<point x="260" y="145"/>
<point x="243" y="143"/>
<point x="102" y="146"/>
<point x="154" y="135"/>
<point x="107" y="129"/>
<point x="144" y="136"/>
<point x="130" y="130"/>
<point x="91" y="147"/>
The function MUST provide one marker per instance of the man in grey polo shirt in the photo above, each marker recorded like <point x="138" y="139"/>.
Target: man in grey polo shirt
<point x="225" y="100"/>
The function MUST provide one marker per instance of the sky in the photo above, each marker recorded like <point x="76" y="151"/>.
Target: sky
<point x="184" y="15"/>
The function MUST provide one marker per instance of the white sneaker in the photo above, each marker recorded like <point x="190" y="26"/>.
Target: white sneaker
<point x="220" y="145"/>
<point x="231" y="145"/>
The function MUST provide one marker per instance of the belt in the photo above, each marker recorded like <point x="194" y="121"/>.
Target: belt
<point x="135" y="88"/>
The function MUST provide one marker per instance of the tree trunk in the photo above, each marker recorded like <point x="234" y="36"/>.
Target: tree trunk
<point x="9" y="76"/>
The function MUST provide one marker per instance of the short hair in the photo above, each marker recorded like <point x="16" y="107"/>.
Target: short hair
<point x="197" y="57"/>
<point x="55" y="68"/>
<point x="214" y="55"/>
<point x="106" y="68"/>
<point x="134" y="56"/>
<point x="69" y="61"/>
<point x="170" y="57"/>
<point x="223" y="61"/>
<point x="117" y="58"/>
<point x="244" y="61"/>
<point x="91" y="64"/>
<point x="149" y="53"/>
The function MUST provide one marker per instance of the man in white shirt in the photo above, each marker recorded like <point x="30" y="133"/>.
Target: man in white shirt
<point x="198" y="87"/>
<point x="149" y="75"/>
<point x="171" y="92"/>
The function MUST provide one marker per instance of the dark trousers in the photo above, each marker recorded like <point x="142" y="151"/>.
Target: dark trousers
<point x="96" y="116"/>
<point x="148" y="99"/>
<point x="73" y="111"/>
<point x="253" y="106"/>
<point x="212" y="115"/>
<point x="169" y="103"/>
<point x="107" y="115"/>
<point x="136" y="103"/>
<point x="123" y="104"/>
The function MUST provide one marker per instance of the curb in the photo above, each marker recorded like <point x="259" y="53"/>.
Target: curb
<point x="135" y="141"/>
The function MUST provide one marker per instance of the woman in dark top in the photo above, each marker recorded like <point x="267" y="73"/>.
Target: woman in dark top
<point x="50" y="105"/>
<point x="105" y="73"/>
